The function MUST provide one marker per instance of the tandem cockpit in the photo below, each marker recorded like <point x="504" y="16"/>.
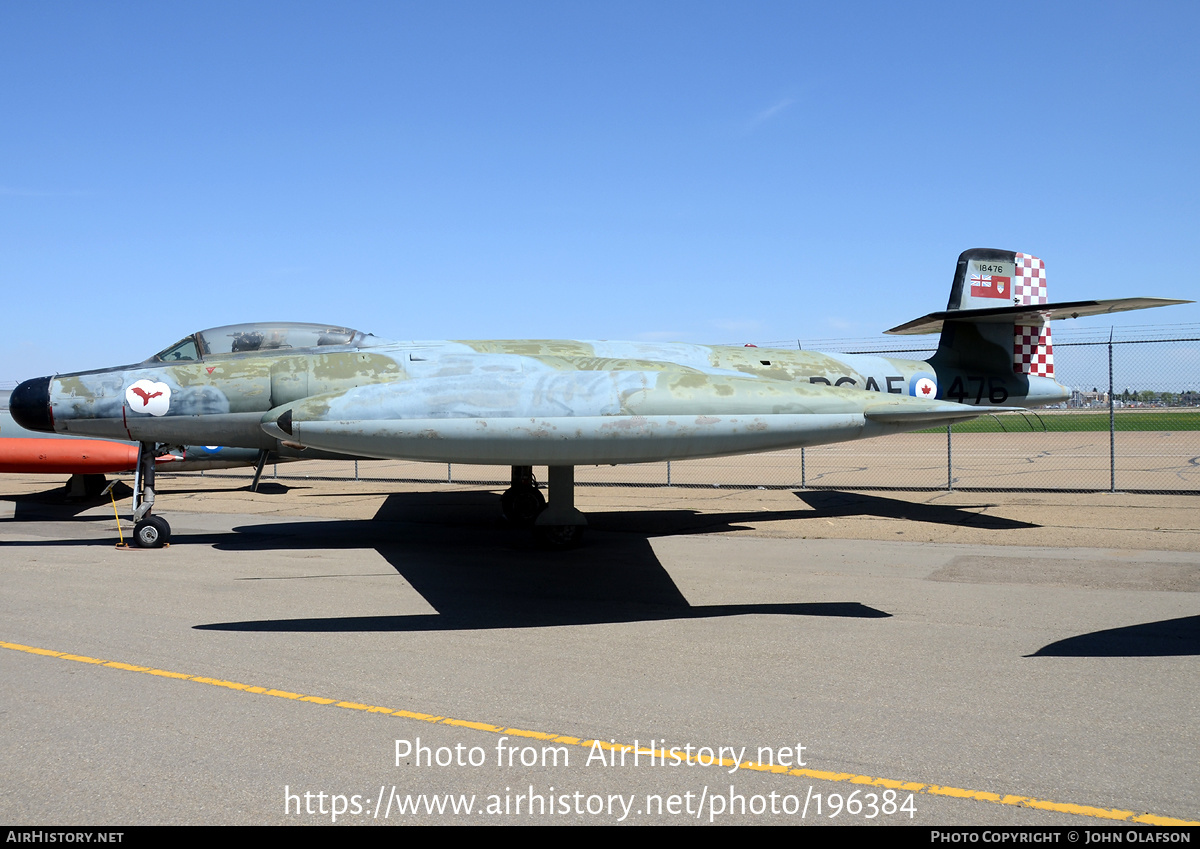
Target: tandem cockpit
<point x="262" y="336"/>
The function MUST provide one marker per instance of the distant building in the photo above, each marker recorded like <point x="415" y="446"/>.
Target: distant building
<point x="1087" y="399"/>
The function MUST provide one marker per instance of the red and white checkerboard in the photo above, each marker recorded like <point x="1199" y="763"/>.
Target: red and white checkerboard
<point x="1029" y="280"/>
<point x="1032" y="352"/>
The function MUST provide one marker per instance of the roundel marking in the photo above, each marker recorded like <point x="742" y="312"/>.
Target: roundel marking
<point x="147" y="396"/>
<point x="923" y="386"/>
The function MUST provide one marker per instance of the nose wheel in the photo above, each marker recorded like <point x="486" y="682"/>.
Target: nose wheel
<point x="151" y="532"/>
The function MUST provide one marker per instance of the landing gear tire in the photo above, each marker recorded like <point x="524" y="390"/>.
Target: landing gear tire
<point x="522" y="504"/>
<point x="559" y="537"/>
<point x="151" y="532"/>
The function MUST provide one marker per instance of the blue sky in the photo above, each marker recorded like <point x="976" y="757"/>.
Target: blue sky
<point x="707" y="172"/>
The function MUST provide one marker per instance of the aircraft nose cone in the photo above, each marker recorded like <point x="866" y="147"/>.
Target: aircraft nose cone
<point x="30" y="405"/>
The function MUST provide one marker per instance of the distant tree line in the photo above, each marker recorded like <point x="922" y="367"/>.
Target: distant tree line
<point x="1187" y="398"/>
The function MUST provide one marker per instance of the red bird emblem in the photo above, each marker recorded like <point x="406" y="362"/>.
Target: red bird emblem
<point x="140" y="392"/>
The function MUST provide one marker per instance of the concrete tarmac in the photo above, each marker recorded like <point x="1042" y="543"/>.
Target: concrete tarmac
<point x="944" y="658"/>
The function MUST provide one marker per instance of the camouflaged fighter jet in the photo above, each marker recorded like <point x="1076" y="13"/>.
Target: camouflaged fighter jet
<point x="333" y="391"/>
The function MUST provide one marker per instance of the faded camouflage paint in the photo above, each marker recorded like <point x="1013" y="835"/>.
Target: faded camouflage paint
<point x="485" y="385"/>
<point x="238" y="383"/>
<point x="517" y="409"/>
<point x="219" y="400"/>
<point x="983" y="379"/>
<point x="661" y="393"/>
<point x="854" y="370"/>
<point x="519" y="387"/>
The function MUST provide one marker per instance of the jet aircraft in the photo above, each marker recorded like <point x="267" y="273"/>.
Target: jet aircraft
<point x="336" y="392"/>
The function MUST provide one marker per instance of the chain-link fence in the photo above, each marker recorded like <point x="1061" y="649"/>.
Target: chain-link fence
<point x="1132" y="424"/>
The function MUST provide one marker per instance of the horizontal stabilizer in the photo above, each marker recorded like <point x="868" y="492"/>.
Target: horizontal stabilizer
<point x="1029" y="314"/>
<point x="892" y="413"/>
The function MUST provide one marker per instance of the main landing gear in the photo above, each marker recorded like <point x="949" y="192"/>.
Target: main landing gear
<point x="148" y="531"/>
<point x="522" y="501"/>
<point x="556" y="525"/>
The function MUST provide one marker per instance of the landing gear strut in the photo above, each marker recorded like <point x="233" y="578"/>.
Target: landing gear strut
<point x="556" y="525"/>
<point x="560" y="525"/>
<point x="258" y="469"/>
<point x="523" y="501"/>
<point x="148" y="531"/>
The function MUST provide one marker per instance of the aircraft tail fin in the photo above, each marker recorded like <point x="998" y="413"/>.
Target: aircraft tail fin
<point x="999" y="313"/>
<point x="986" y="279"/>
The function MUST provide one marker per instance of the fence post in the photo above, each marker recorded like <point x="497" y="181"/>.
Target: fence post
<point x="949" y="464"/>
<point x="668" y="473"/>
<point x="802" y="484"/>
<point x="1112" y="422"/>
<point x="356" y="470"/>
<point x="449" y="474"/>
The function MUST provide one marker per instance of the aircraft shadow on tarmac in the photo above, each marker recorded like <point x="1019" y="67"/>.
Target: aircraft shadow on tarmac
<point x="1166" y="638"/>
<point x="56" y="505"/>
<point x="831" y="503"/>
<point x="479" y="573"/>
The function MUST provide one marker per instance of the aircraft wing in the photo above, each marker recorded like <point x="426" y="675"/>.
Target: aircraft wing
<point x="1029" y="314"/>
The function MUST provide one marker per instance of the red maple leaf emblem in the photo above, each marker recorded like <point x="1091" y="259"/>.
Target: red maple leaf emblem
<point x="926" y="388"/>
<point x="137" y="390"/>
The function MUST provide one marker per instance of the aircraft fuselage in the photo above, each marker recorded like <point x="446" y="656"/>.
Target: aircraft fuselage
<point x="520" y="401"/>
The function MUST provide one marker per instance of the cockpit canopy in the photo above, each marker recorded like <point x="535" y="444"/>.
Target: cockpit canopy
<point x="260" y="336"/>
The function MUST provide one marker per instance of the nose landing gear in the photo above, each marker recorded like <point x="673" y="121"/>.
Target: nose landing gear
<point x="148" y="531"/>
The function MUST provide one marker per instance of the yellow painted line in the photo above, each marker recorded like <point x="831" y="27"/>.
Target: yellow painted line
<point x="283" y="694"/>
<point x="776" y="768"/>
<point x="424" y="717"/>
<point x="1155" y="819"/>
<point x="1083" y="810"/>
<point x="367" y="708"/>
<point x="537" y="735"/>
<point x="81" y="658"/>
<point x="478" y="726"/>
<point x="613" y="746"/>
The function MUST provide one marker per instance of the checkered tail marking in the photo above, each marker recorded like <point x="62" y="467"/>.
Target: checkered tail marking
<point x="1033" y="353"/>
<point x="1029" y="280"/>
